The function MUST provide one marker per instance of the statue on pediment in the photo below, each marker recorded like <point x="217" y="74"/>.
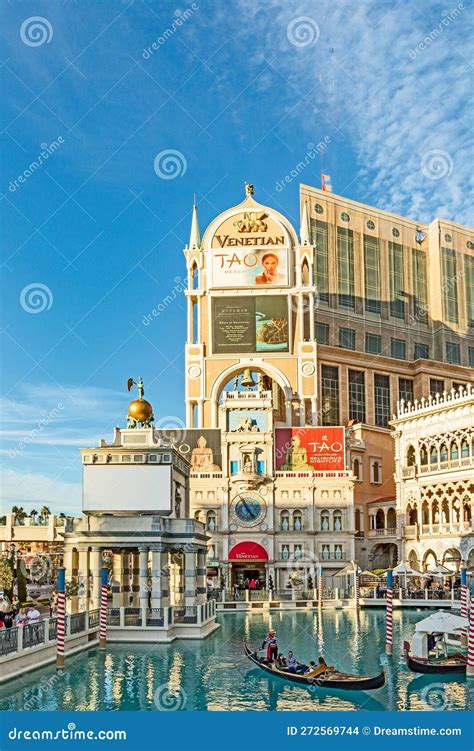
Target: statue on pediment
<point x="202" y="457"/>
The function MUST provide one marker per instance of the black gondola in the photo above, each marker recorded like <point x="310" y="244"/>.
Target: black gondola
<point x="455" y="663"/>
<point x="328" y="679"/>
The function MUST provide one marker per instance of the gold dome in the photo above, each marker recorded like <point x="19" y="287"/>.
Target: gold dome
<point x="140" y="410"/>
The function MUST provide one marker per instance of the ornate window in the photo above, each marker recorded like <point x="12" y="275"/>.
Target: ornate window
<point x="211" y="521"/>
<point x="423" y="455"/>
<point x="337" y="520"/>
<point x="285" y="521"/>
<point x="357" y="468"/>
<point x="411" y="456"/>
<point x="325" y="521"/>
<point x="297" y="520"/>
<point x="325" y="552"/>
<point x="375" y="471"/>
<point x="285" y="552"/>
<point x="443" y="454"/>
<point x="298" y="552"/>
<point x="338" y="552"/>
<point x="454" y="452"/>
<point x="434" y="455"/>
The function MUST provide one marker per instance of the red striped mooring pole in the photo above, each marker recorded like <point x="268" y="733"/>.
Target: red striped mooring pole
<point x="388" y="613"/>
<point x="470" y="641"/>
<point x="464" y="603"/>
<point x="103" y="610"/>
<point x="320" y="587"/>
<point x="61" y="619"/>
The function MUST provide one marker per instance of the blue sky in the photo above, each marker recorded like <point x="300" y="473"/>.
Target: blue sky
<point x="237" y="90"/>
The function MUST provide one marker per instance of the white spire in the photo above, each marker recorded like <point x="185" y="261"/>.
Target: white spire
<point x="304" y="228"/>
<point x="194" y="237"/>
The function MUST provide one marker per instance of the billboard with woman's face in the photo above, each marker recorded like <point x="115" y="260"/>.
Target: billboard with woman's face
<point x="254" y="267"/>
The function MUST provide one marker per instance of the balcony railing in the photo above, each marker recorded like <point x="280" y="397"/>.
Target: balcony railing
<point x="384" y="532"/>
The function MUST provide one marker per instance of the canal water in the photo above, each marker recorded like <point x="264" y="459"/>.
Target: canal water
<point x="214" y="675"/>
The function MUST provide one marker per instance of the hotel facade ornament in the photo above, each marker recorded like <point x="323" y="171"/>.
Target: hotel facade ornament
<point x="140" y="412"/>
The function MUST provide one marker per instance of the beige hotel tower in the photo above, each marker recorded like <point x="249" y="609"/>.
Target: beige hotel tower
<point x="298" y="349"/>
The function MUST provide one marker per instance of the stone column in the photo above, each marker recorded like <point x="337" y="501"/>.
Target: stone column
<point x="190" y="577"/>
<point x="83" y="579"/>
<point x="117" y="580"/>
<point x="143" y="577"/>
<point x="125" y="579"/>
<point x="135" y="578"/>
<point x="430" y="512"/>
<point x="159" y="577"/>
<point x="68" y="560"/>
<point x="95" y="563"/>
<point x="451" y="516"/>
<point x="201" y="576"/>
<point x="311" y="316"/>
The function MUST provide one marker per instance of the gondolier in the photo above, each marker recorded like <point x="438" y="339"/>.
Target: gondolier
<point x="270" y="642"/>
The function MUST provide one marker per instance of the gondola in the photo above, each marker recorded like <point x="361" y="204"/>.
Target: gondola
<point x="329" y="678"/>
<point x="455" y="663"/>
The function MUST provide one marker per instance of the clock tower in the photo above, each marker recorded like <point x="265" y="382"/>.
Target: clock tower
<point x="251" y="382"/>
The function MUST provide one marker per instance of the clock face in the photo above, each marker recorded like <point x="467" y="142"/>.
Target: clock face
<point x="249" y="510"/>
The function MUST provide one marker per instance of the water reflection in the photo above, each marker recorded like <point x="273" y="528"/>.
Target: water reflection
<point x="215" y="675"/>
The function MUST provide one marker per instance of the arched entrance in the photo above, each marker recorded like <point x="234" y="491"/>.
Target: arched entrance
<point x="452" y="559"/>
<point x="430" y="560"/>
<point x="248" y="560"/>
<point x="383" y="555"/>
<point x="413" y="560"/>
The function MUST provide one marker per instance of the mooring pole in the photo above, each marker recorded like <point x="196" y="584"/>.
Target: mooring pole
<point x="61" y="618"/>
<point x="103" y="610"/>
<point x="388" y="613"/>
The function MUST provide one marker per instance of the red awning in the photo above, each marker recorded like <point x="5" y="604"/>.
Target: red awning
<point x="248" y="551"/>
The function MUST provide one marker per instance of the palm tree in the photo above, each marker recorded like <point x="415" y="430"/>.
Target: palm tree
<point x="45" y="512"/>
<point x="33" y="514"/>
<point x="19" y="513"/>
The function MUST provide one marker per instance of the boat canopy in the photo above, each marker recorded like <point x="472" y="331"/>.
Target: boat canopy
<point x="442" y="623"/>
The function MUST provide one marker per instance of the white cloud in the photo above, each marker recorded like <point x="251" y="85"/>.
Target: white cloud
<point x="31" y="489"/>
<point x="393" y="100"/>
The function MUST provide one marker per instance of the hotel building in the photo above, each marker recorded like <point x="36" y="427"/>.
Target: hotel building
<point x="312" y="333"/>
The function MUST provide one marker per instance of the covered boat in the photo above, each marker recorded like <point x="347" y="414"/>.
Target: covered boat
<point x="455" y="663"/>
<point x="322" y="677"/>
<point x="431" y="636"/>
